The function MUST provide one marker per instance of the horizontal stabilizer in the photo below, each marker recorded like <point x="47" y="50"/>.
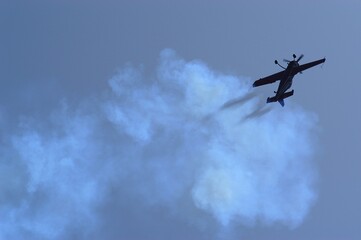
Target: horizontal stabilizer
<point x="280" y="98"/>
<point x="287" y="94"/>
<point x="271" y="99"/>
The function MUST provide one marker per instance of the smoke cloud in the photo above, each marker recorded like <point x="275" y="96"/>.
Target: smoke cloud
<point x="177" y="154"/>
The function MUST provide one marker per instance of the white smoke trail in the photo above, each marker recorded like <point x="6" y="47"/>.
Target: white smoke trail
<point x="168" y="142"/>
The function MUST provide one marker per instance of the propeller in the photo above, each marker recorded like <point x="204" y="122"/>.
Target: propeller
<point x="299" y="58"/>
<point x="294" y="58"/>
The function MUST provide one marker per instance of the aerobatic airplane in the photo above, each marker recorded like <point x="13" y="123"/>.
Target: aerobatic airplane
<point x="286" y="77"/>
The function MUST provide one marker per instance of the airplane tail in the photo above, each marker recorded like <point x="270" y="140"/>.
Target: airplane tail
<point x="281" y="98"/>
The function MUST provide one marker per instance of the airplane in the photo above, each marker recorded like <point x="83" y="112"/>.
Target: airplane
<point x="286" y="77"/>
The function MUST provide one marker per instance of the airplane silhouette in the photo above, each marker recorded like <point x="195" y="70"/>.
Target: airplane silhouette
<point x="286" y="77"/>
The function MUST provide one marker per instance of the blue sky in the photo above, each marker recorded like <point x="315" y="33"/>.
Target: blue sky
<point x="104" y="133"/>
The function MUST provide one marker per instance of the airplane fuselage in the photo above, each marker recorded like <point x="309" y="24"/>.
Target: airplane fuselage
<point x="286" y="81"/>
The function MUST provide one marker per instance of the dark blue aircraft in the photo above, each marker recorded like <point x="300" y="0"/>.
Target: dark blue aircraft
<point x="286" y="77"/>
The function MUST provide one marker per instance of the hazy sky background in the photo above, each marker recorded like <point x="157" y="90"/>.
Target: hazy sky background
<point x="58" y="59"/>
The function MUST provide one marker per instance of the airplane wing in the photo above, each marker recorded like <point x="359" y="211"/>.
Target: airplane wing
<point x="308" y="65"/>
<point x="270" y="79"/>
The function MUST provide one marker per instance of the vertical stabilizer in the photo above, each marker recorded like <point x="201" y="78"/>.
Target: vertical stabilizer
<point x="282" y="102"/>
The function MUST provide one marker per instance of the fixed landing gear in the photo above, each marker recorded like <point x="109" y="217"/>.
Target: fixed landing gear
<point x="276" y="62"/>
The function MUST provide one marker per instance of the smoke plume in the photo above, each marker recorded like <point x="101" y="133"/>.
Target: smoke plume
<point x="180" y="152"/>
